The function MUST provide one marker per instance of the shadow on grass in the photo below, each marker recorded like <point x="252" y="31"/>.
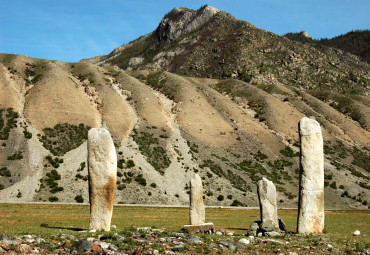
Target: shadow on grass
<point x="44" y="225"/>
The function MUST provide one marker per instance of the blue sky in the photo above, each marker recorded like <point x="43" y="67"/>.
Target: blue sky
<point x="69" y="30"/>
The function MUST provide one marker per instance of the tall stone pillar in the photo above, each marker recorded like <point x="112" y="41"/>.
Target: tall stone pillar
<point x="311" y="212"/>
<point x="197" y="210"/>
<point x="102" y="168"/>
<point x="268" y="208"/>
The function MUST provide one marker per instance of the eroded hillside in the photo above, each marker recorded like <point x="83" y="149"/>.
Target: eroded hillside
<point x="165" y="128"/>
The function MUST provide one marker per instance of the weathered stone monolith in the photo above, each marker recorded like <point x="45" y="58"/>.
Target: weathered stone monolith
<point x="102" y="168"/>
<point x="311" y="213"/>
<point x="197" y="210"/>
<point x="268" y="208"/>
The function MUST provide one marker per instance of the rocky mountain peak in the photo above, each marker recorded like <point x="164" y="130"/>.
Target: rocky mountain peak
<point x="183" y="20"/>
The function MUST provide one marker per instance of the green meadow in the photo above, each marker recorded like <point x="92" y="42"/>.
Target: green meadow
<point x="27" y="218"/>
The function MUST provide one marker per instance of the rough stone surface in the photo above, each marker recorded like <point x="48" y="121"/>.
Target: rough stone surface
<point x="311" y="213"/>
<point x="197" y="210"/>
<point x="207" y="228"/>
<point x="253" y="228"/>
<point x="268" y="208"/>
<point x="102" y="168"/>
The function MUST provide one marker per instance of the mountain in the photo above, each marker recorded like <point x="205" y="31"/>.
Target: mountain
<point x="211" y="43"/>
<point x="186" y="98"/>
<point x="355" y="42"/>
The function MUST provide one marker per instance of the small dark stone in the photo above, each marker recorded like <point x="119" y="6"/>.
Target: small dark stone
<point x="282" y="225"/>
<point x="83" y="245"/>
<point x="178" y="248"/>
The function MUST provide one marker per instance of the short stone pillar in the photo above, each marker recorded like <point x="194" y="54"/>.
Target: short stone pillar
<point x="266" y="191"/>
<point x="102" y="168"/>
<point x="311" y="212"/>
<point x="197" y="210"/>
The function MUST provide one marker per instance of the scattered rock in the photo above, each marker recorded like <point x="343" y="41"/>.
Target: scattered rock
<point x="179" y="248"/>
<point x="272" y="233"/>
<point x="218" y="233"/>
<point x="244" y="241"/>
<point x="253" y="228"/>
<point x="83" y="245"/>
<point x="96" y="248"/>
<point x="194" y="239"/>
<point x="67" y="245"/>
<point x="24" y="249"/>
<point x="357" y="233"/>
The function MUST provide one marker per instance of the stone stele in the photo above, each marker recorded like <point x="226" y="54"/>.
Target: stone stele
<point x="311" y="213"/>
<point x="102" y="168"/>
<point x="197" y="210"/>
<point x="267" y="199"/>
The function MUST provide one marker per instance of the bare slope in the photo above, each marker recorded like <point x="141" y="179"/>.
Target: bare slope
<point x="165" y="128"/>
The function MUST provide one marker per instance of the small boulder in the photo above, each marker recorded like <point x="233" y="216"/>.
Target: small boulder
<point x="83" y="245"/>
<point x="357" y="233"/>
<point x="244" y="241"/>
<point x="253" y="228"/>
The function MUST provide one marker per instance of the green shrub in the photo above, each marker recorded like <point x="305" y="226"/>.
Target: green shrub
<point x="230" y="197"/>
<point x="140" y="179"/>
<point x="209" y="193"/>
<point x="53" y="199"/>
<point x="361" y="159"/>
<point x="2" y="187"/>
<point x="156" y="155"/>
<point x="153" y="185"/>
<point x="56" y="189"/>
<point x="79" y="199"/>
<point x="220" y="198"/>
<point x="19" y="195"/>
<point x="82" y="167"/>
<point x="288" y="152"/>
<point x="260" y="156"/>
<point x="8" y="121"/>
<point x="121" y="187"/>
<point x="17" y="155"/>
<point x="63" y="138"/>
<point x="55" y="162"/>
<point x="5" y="172"/>
<point x="27" y="134"/>
<point x="120" y="163"/>
<point x="333" y="185"/>
<point x="236" y="203"/>
<point x="130" y="163"/>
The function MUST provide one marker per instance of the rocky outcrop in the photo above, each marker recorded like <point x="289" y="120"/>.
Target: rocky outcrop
<point x="181" y="20"/>
<point x="311" y="194"/>
<point x="102" y="167"/>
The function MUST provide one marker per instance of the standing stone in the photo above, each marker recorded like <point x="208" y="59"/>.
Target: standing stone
<point x="197" y="211"/>
<point x="311" y="213"/>
<point x="102" y="167"/>
<point x="268" y="208"/>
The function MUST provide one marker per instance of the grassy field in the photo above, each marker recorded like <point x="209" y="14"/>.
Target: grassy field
<point x="21" y="219"/>
<point x="27" y="218"/>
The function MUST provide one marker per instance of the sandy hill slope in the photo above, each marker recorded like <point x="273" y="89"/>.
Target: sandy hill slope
<point x="168" y="126"/>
